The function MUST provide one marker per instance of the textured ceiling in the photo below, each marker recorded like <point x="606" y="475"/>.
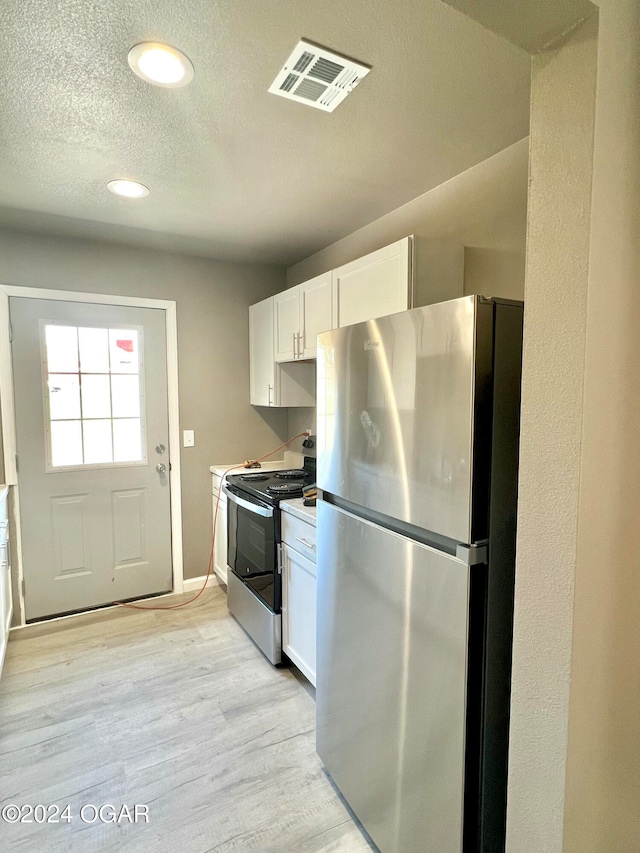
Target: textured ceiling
<point x="531" y="24"/>
<point x="235" y="172"/>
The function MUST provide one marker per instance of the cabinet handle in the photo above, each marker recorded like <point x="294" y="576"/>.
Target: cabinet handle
<point x="270" y="390"/>
<point x="300" y="353"/>
<point x="295" y="348"/>
<point x="304" y="542"/>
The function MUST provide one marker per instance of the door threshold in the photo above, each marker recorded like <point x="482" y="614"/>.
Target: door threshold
<point x="53" y="624"/>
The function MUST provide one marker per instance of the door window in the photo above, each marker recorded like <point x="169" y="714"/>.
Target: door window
<point x="93" y="396"/>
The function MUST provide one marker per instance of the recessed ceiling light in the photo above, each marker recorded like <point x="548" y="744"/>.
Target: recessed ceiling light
<point x="160" y="64"/>
<point x="128" y="189"/>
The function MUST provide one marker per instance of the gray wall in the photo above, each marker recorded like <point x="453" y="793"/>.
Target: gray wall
<point x="483" y="209"/>
<point x="212" y="303"/>
<point x="603" y="763"/>
<point x="562" y="107"/>
<point x="470" y="238"/>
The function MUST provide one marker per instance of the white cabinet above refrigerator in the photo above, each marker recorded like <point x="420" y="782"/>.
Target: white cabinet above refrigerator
<point x="375" y="285"/>
<point x="283" y="329"/>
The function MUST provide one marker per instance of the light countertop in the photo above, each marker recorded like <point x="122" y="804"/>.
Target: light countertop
<point x="295" y="507"/>
<point x="291" y="460"/>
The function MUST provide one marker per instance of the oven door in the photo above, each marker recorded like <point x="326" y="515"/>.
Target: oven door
<point x="251" y="549"/>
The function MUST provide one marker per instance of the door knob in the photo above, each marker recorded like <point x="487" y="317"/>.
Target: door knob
<point x="160" y="448"/>
<point x="160" y="468"/>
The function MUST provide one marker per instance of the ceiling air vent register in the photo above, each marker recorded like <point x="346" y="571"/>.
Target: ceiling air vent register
<point x="317" y="77"/>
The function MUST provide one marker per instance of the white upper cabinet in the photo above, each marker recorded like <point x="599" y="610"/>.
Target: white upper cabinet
<point x="262" y="367"/>
<point x="316" y="314"/>
<point x="283" y="329"/>
<point x="299" y="315"/>
<point x="286" y="324"/>
<point x="270" y="383"/>
<point x="374" y="286"/>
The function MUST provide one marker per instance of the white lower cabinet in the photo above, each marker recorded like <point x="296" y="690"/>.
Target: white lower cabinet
<point x="299" y="611"/>
<point x="220" y="541"/>
<point x="298" y="564"/>
<point x="6" y="607"/>
<point x="219" y="525"/>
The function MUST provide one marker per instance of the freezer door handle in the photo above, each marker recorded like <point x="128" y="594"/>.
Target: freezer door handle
<point x="472" y="555"/>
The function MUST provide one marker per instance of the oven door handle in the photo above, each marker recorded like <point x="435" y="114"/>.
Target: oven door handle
<point x="266" y="512"/>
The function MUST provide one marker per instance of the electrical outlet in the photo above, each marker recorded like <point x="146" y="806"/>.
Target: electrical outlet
<point x="188" y="438"/>
<point x="308" y="431"/>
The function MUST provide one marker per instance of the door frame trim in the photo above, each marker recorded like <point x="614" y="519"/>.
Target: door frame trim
<point x="8" y="409"/>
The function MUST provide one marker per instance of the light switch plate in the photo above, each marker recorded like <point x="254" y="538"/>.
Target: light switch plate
<point x="188" y="438"/>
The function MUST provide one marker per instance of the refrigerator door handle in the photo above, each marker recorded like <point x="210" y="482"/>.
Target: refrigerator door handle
<point x="472" y="555"/>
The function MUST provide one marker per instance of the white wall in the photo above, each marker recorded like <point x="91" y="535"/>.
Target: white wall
<point x="603" y="767"/>
<point x="561" y="154"/>
<point x="212" y="301"/>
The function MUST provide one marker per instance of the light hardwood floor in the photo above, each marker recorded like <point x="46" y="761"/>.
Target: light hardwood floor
<point x="177" y="711"/>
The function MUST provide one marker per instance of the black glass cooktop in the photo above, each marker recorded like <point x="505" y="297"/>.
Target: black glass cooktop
<point x="291" y="489"/>
<point x="273" y="486"/>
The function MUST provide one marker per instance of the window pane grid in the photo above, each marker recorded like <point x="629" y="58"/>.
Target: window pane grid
<point x="94" y="395"/>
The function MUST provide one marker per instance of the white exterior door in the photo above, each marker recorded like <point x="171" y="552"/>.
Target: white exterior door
<point x="92" y="427"/>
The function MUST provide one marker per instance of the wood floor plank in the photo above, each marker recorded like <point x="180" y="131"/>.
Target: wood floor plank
<point x="175" y="710"/>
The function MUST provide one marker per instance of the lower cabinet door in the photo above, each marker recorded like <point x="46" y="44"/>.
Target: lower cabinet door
<point x="220" y="544"/>
<point x="6" y="609"/>
<point x="299" y="611"/>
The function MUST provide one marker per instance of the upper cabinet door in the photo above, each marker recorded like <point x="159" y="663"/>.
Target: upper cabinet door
<point x="286" y="324"/>
<point x="374" y="286"/>
<point x="261" y="367"/>
<point x="315" y="312"/>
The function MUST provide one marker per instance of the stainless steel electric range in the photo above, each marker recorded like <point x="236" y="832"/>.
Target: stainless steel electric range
<point x="254" y="586"/>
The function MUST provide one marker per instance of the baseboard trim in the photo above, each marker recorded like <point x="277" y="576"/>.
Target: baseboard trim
<point x="194" y="584"/>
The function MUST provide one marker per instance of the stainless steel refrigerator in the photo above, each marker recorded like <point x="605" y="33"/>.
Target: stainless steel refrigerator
<point x="418" y="424"/>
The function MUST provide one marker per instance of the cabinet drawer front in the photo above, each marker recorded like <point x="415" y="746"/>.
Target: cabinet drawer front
<point x="299" y="535"/>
